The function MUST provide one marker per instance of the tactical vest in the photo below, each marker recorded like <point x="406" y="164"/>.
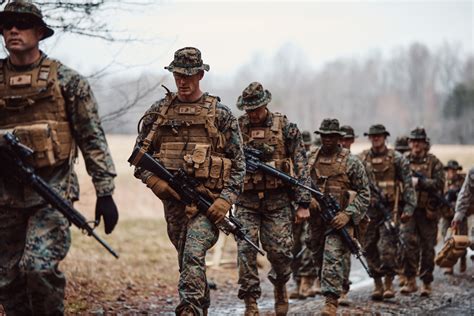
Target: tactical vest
<point x="185" y="136"/>
<point x="33" y="108"/>
<point x="330" y="174"/>
<point x="383" y="168"/>
<point x="425" y="167"/>
<point x="271" y="138"/>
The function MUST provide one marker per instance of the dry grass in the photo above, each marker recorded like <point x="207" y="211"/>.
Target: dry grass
<point x="147" y="267"/>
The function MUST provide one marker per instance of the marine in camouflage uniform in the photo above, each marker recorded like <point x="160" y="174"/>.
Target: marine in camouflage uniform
<point x="420" y="229"/>
<point x="265" y="208"/>
<point x="392" y="172"/>
<point x="194" y="131"/>
<point x="304" y="270"/>
<point x="465" y="200"/>
<point x="336" y="172"/>
<point x="454" y="181"/>
<point x="51" y="109"/>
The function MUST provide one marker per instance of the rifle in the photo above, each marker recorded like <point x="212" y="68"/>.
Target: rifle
<point x="13" y="159"/>
<point x="381" y="205"/>
<point x="438" y="197"/>
<point x="329" y="206"/>
<point x="185" y="186"/>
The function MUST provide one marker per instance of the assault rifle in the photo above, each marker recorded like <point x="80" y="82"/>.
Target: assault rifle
<point x="440" y="199"/>
<point x="382" y="205"/>
<point x="13" y="162"/>
<point x="185" y="186"/>
<point x="329" y="206"/>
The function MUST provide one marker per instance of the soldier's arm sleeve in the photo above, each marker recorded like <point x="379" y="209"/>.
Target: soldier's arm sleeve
<point x="148" y="119"/>
<point x="403" y="173"/>
<point x="295" y="146"/>
<point x="230" y="131"/>
<point x="360" y="184"/>
<point x="436" y="182"/>
<point x="87" y="130"/>
<point x="466" y="194"/>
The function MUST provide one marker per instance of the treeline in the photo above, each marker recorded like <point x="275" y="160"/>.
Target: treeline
<point x="411" y="86"/>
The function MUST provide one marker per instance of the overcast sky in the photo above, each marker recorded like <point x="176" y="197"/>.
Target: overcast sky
<point x="231" y="33"/>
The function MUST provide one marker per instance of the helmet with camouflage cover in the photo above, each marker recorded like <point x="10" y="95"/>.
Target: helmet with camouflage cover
<point x="306" y="138"/>
<point x="329" y="126"/>
<point x="187" y="61"/>
<point x="401" y="144"/>
<point x="22" y="9"/>
<point x="348" y="131"/>
<point x="418" y="133"/>
<point x="453" y="164"/>
<point x="253" y="97"/>
<point x="377" y="129"/>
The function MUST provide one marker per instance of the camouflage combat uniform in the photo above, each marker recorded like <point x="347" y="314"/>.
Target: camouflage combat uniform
<point x="336" y="174"/>
<point x="451" y="191"/>
<point x="34" y="237"/>
<point x="203" y="129"/>
<point x="265" y="208"/>
<point x="420" y="232"/>
<point x="465" y="200"/>
<point x="392" y="172"/>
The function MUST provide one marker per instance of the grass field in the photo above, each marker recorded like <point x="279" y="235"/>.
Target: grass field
<point x="147" y="268"/>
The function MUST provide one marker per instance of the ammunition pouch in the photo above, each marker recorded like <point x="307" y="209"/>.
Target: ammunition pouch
<point x="454" y="248"/>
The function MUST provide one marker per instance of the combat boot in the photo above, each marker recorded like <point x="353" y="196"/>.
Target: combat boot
<point x="377" y="293"/>
<point x="295" y="294"/>
<point x="305" y="288"/>
<point x="425" y="289"/>
<point x="448" y="271"/>
<point x="330" y="306"/>
<point x="410" y="286"/>
<point x="281" y="300"/>
<point x="187" y="311"/>
<point x="462" y="265"/>
<point x="251" y="307"/>
<point x="316" y="288"/>
<point x="402" y="280"/>
<point x="344" y="300"/>
<point x="388" y="287"/>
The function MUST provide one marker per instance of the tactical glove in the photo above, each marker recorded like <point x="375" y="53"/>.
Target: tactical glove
<point x="340" y="220"/>
<point x="161" y="188"/>
<point x="105" y="207"/>
<point x="218" y="209"/>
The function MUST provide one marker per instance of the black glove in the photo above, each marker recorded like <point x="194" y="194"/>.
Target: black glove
<point x="105" y="207"/>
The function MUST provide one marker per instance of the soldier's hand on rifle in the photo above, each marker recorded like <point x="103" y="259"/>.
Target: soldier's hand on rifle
<point x="302" y="214"/>
<point x="161" y="188"/>
<point x="218" y="210"/>
<point x="340" y="220"/>
<point x="105" y="207"/>
<point x="405" y="217"/>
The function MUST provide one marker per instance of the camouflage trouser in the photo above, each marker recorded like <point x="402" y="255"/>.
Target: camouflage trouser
<point x="192" y="238"/>
<point x="419" y="235"/>
<point x="302" y="265"/>
<point x="271" y="221"/>
<point x="331" y="255"/>
<point x="32" y="243"/>
<point x="380" y="250"/>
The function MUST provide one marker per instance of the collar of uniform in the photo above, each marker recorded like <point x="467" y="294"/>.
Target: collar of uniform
<point x="27" y="67"/>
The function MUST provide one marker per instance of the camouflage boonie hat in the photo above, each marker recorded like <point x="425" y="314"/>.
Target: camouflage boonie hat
<point x="187" y="61"/>
<point x="348" y="131"/>
<point x="253" y="97"/>
<point x="453" y="164"/>
<point x="377" y="129"/>
<point x="329" y="126"/>
<point x="401" y="144"/>
<point x="21" y="8"/>
<point x="306" y="137"/>
<point x="418" y="133"/>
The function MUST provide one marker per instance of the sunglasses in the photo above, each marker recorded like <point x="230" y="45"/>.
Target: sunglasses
<point x="20" y="24"/>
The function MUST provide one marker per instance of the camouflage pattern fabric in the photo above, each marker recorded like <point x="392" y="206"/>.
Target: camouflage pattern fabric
<point x="453" y="184"/>
<point x="329" y="252"/>
<point x="193" y="238"/>
<point x="466" y="196"/>
<point x="302" y="266"/>
<point x="32" y="243"/>
<point x="187" y="61"/>
<point x="420" y="232"/>
<point x="270" y="221"/>
<point x="38" y="238"/>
